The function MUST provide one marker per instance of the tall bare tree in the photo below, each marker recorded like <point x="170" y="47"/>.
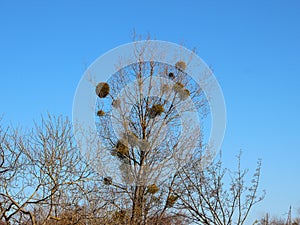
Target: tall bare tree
<point x="140" y="110"/>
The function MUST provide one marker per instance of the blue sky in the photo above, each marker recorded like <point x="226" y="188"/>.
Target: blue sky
<point x="253" y="47"/>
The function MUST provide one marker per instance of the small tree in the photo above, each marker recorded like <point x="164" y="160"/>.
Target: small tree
<point x="44" y="174"/>
<point x="275" y="220"/>
<point x="210" y="200"/>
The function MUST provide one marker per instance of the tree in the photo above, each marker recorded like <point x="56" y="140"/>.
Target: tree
<point x="211" y="201"/>
<point x="148" y="166"/>
<point x="44" y="172"/>
<point x="140" y="110"/>
<point x="275" y="220"/>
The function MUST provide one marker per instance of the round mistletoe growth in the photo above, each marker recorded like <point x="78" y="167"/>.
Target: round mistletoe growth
<point x="178" y="87"/>
<point x="184" y="94"/>
<point x="171" y="75"/>
<point x="102" y="89"/>
<point x="171" y="200"/>
<point x="152" y="189"/>
<point x="156" y="110"/>
<point x="121" y="149"/>
<point x="180" y="65"/>
<point x="100" y="113"/>
<point x="107" y="180"/>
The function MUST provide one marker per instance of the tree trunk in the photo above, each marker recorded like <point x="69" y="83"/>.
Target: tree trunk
<point x="137" y="208"/>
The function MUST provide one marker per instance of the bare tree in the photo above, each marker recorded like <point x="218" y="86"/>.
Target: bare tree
<point x="140" y="112"/>
<point x="149" y="163"/>
<point x="45" y="170"/>
<point x="279" y="220"/>
<point x="211" y="197"/>
<point x="151" y="171"/>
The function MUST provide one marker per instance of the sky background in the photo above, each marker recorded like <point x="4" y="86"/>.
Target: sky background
<point x="252" y="46"/>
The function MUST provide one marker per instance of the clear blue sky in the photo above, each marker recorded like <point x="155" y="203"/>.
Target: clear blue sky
<point x="253" y="46"/>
